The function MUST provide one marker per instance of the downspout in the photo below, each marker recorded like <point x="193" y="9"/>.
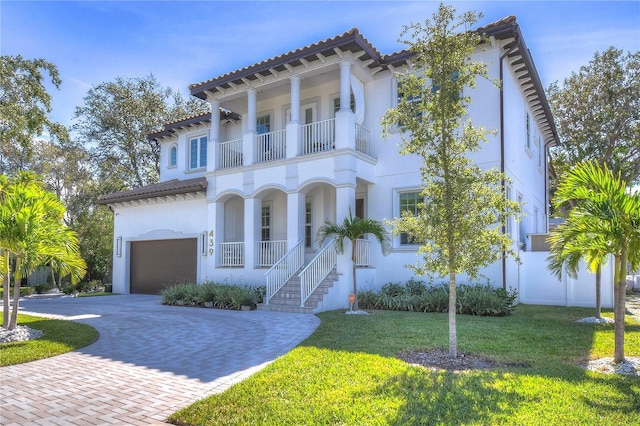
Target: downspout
<point x="502" y="161"/>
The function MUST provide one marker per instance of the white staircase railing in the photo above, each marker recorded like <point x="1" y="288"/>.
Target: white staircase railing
<point x="284" y="269"/>
<point x="317" y="270"/>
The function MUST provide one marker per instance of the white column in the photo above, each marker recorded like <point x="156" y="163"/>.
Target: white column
<point x="295" y="98"/>
<point x="213" y="239"/>
<point x="214" y="135"/>
<point x="345" y="119"/>
<point x="249" y="138"/>
<point x="345" y="85"/>
<point x="252" y="208"/>
<point x="251" y="110"/>
<point x="293" y="126"/>
<point x="295" y="218"/>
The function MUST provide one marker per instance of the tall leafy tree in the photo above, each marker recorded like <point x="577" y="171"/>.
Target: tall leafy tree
<point x="33" y="234"/>
<point x="597" y="112"/>
<point x="24" y="107"/>
<point x="117" y="116"/>
<point x="459" y="222"/>
<point x="605" y="220"/>
<point x="352" y="229"/>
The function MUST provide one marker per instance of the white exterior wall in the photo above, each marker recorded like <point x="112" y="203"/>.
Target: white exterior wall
<point x="235" y="195"/>
<point x="540" y="287"/>
<point x="155" y="221"/>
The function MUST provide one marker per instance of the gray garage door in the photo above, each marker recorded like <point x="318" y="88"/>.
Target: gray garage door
<point x="157" y="264"/>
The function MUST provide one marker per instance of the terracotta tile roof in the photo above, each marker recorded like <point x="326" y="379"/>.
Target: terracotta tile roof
<point x="171" y="187"/>
<point x="351" y="40"/>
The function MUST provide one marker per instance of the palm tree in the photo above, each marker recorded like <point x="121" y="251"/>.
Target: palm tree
<point x="32" y="234"/>
<point x="352" y="229"/>
<point x="605" y="220"/>
<point x="569" y="245"/>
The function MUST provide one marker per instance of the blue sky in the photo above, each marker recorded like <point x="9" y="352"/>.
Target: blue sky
<point x="184" y="42"/>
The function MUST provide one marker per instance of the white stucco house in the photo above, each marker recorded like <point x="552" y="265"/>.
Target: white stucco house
<point x="294" y="141"/>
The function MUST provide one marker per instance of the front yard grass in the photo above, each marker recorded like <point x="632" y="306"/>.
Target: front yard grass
<point x="347" y="373"/>
<point x="59" y="337"/>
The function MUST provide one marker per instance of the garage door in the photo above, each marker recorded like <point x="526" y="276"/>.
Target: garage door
<point x="157" y="264"/>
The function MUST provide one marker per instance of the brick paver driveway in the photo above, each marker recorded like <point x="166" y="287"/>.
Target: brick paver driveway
<point x="149" y="361"/>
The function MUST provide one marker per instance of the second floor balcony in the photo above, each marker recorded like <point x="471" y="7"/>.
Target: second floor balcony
<point x="294" y="141"/>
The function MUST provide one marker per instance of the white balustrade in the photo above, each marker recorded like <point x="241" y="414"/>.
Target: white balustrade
<point x="362" y="139"/>
<point x="232" y="254"/>
<point x="318" y="136"/>
<point x="271" y="146"/>
<point x="269" y="252"/>
<point x="362" y="252"/>
<point x="230" y="154"/>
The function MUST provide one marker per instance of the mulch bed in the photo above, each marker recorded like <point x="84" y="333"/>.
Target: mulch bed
<point x="438" y="359"/>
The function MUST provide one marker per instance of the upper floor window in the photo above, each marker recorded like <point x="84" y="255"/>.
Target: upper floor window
<point x="528" y="131"/>
<point x="173" y="156"/>
<point x="408" y="202"/>
<point x="198" y="152"/>
<point x="263" y="124"/>
<point x="336" y="104"/>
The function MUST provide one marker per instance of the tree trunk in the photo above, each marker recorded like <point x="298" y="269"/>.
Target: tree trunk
<point x="13" y="322"/>
<point x="353" y="268"/>
<point x="598" y="286"/>
<point x="620" y="289"/>
<point x="53" y="278"/>
<point x="7" y="288"/>
<point x="453" y="338"/>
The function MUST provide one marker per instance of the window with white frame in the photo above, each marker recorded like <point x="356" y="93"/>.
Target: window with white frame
<point x="528" y="131"/>
<point x="521" y="234"/>
<point x="308" y="226"/>
<point x="408" y="202"/>
<point x="173" y="156"/>
<point x="508" y="227"/>
<point x="540" y="153"/>
<point x="263" y="123"/>
<point x="266" y="223"/>
<point x="336" y="104"/>
<point x="197" y="152"/>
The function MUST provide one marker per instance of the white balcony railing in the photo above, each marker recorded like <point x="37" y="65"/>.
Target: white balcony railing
<point x="317" y="270"/>
<point x="269" y="252"/>
<point x="232" y="254"/>
<point x="362" y="140"/>
<point x="362" y="252"/>
<point x="271" y="146"/>
<point x="230" y="154"/>
<point x="318" y="136"/>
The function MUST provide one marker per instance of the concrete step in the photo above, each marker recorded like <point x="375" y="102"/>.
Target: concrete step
<point x="288" y="309"/>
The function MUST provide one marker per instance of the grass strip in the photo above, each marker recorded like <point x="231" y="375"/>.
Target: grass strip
<point x="59" y="337"/>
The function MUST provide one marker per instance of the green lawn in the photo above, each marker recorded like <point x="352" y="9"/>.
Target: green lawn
<point x="59" y="337"/>
<point x="347" y="373"/>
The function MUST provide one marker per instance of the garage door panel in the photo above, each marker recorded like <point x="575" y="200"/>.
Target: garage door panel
<point x="157" y="264"/>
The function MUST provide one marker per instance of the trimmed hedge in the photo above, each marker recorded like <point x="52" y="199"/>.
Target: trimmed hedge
<point x="414" y="295"/>
<point x="221" y="296"/>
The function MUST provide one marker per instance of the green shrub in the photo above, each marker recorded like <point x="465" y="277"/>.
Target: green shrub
<point x="82" y="286"/>
<point x="69" y="289"/>
<point x="416" y="296"/>
<point x="415" y="287"/>
<point x="221" y="295"/>
<point x="392" y="289"/>
<point x="27" y="291"/>
<point x="260" y="293"/>
<point x="367" y="299"/>
<point x="41" y="288"/>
